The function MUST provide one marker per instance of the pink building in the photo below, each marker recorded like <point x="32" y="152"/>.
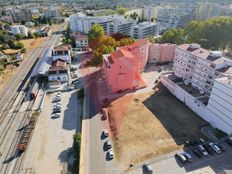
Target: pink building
<point x="159" y="53"/>
<point x="122" y="67"/>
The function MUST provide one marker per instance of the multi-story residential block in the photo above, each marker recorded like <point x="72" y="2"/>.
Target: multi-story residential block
<point x="144" y="29"/>
<point x="120" y="25"/>
<point x="207" y="10"/>
<point x="18" y="14"/>
<point x="62" y="52"/>
<point x="19" y="29"/>
<point x="179" y="19"/>
<point x="199" y="66"/>
<point x="122" y="67"/>
<point x="159" y="53"/>
<point x="202" y="80"/>
<point x="52" y="12"/>
<point x="81" y="23"/>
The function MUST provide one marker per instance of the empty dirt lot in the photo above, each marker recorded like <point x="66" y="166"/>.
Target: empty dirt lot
<point x="151" y="124"/>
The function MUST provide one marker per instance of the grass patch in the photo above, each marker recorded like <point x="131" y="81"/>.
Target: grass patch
<point x="219" y="134"/>
<point x="77" y="147"/>
<point x="81" y="93"/>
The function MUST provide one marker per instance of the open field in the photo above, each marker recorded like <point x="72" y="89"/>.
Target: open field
<point x="150" y="124"/>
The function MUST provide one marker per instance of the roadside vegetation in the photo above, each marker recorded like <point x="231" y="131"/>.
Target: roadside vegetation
<point x="215" y="34"/>
<point x="81" y="93"/>
<point x="77" y="147"/>
<point x="102" y="44"/>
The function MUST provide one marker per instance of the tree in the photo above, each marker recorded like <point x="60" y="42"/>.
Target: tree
<point x="176" y="36"/>
<point x="20" y="36"/>
<point x="31" y="35"/>
<point x="119" y="36"/>
<point x="125" y="42"/>
<point x="95" y="32"/>
<point x="134" y="16"/>
<point x="122" y="11"/>
<point x="110" y="42"/>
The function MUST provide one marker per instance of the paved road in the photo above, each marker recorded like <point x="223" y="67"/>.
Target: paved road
<point x="96" y="159"/>
<point x="12" y="122"/>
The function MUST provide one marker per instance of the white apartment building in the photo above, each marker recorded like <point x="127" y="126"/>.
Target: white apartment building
<point x="199" y="66"/>
<point x="52" y="12"/>
<point x="144" y="29"/>
<point x="81" y="23"/>
<point x="179" y="19"/>
<point x="207" y="10"/>
<point x="19" y="29"/>
<point x="120" y="25"/>
<point x="202" y="80"/>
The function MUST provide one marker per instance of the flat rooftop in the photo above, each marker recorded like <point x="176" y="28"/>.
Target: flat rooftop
<point x="204" y="54"/>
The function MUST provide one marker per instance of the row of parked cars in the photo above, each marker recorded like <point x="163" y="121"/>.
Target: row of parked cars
<point x="57" y="105"/>
<point x="204" y="149"/>
<point x="108" y="145"/>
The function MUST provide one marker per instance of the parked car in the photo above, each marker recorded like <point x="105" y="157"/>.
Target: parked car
<point x="147" y="169"/>
<point x="56" y="110"/>
<point x="223" y="148"/>
<point x="108" y="143"/>
<point x="110" y="154"/>
<point x="181" y="157"/>
<point x="55" y="99"/>
<point x="215" y="147"/>
<point x="56" y="115"/>
<point x="229" y="141"/>
<point x="105" y="133"/>
<point x="191" y="142"/>
<point x="56" y="107"/>
<point x="197" y="153"/>
<point x="208" y="149"/>
<point x="202" y="150"/>
<point x="188" y="156"/>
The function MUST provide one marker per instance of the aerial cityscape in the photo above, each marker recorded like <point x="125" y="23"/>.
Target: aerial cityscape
<point x="116" y="87"/>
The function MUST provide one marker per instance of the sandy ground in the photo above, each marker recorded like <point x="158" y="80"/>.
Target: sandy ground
<point x="150" y="124"/>
<point x="50" y="147"/>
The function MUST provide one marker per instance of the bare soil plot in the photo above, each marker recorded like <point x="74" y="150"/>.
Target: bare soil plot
<point x="150" y="124"/>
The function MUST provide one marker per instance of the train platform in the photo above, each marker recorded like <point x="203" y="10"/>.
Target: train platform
<point x="39" y="100"/>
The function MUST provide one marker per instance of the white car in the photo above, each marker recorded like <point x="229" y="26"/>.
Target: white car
<point x="56" y="107"/>
<point x="105" y="133"/>
<point x="110" y="154"/>
<point x="202" y="150"/>
<point x="188" y="156"/>
<point x="56" y="115"/>
<point x="215" y="147"/>
<point x="108" y="143"/>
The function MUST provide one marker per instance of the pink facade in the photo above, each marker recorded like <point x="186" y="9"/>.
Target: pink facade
<point x="122" y="67"/>
<point x="159" y="53"/>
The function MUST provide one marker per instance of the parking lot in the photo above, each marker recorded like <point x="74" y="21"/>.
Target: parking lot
<point x="52" y="138"/>
<point x="210" y="164"/>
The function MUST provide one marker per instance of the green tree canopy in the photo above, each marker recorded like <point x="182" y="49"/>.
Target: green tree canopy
<point x="122" y="11"/>
<point x="95" y="31"/>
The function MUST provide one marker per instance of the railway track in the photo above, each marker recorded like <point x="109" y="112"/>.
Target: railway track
<point x="12" y="121"/>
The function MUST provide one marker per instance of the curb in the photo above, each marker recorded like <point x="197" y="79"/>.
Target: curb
<point x="82" y="149"/>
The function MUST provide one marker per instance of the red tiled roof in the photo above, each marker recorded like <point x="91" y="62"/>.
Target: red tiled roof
<point x="81" y="37"/>
<point x="58" y="65"/>
<point x="62" y="48"/>
<point x="121" y="52"/>
<point x="138" y="43"/>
